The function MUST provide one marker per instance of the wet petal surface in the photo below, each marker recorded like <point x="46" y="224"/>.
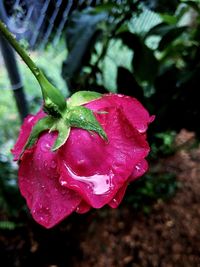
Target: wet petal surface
<point x="83" y="207"/>
<point x="96" y="169"/>
<point x="86" y="171"/>
<point x="132" y="109"/>
<point x="47" y="200"/>
<point x="139" y="169"/>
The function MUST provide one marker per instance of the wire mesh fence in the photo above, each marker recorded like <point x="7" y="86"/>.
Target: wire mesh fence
<point x="39" y="21"/>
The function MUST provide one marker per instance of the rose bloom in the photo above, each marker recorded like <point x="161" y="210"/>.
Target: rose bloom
<point x="87" y="171"/>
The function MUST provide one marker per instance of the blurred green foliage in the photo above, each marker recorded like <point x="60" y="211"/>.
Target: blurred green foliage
<point x="150" y="189"/>
<point x="161" y="66"/>
<point x="10" y="200"/>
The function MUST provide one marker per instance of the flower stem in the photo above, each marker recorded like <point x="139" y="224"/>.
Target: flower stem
<point x="11" y="39"/>
<point x="49" y="92"/>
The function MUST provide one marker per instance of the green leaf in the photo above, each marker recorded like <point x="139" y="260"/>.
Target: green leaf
<point x="83" y="97"/>
<point x="160" y="29"/>
<point x="145" y="65"/>
<point x="193" y="4"/>
<point x="170" y="36"/>
<point x="107" y="7"/>
<point x="127" y="84"/>
<point x="63" y="133"/>
<point x="43" y="124"/>
<point x="170" y="19"/>
<point x="81" y="34"/>
<point x="81" y="117"/>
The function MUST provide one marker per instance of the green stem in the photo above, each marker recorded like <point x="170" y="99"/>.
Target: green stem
<point x="49" y="92"/>
<point x="11" y="39"/>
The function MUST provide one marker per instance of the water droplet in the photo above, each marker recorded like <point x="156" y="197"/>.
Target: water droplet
<point x="43" y="187"/>
<point x="142" y="129"/>
<point x="39" y="168"/>
<point x="45" y="147"/>
<point x="115" y="201"/>
<point x="63" y="183"/>
<point x="53" y="164"/>
<point x="30" y="119"/>
<point x="39" y="157"/>
<point x="138" y="167"/>
<point x="116" y="166"/>
<point x="100" y="184"/>
<point x="81" y="162"/>
<point x="41" y="213"/>
<point x="45" y="163"/>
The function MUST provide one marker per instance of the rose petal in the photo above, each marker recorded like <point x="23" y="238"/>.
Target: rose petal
<point x="97" y="169"/>
<point x="25" y="131"/>
<point x="131" y="108"/>
<point x="139" y="169"/>
<point x="86" y="172"/>
<point x="114" y="203"/>
<point x="48" y="201"/>
<point x="83" y="207"/>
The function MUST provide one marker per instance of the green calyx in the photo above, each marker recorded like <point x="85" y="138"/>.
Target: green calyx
<point x="82" y="117"/>
<point x="74" y="115"/>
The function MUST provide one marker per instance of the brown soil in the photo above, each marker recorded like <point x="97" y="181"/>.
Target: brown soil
<point x="168" y="237"/>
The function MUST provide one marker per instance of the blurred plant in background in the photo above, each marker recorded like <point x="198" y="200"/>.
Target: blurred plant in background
<point x="159" y="64"/>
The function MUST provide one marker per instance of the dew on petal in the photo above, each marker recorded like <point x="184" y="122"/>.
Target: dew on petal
<point x="63" y="183"/>
<point x="115" y="201"/>
<point x="100" y="184"/>
<point x="81" y="162"/>
<point x="142" y="129"/>
<point x="137" y="167"/>
<point x="45" y="164"/>
<point x="45" y="147"/>
<point x="53" y="164"/>
<point x="30" y="119"/>
<point x="42" y="214"/>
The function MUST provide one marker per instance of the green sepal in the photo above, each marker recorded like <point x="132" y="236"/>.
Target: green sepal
<point x="42" y="125"/>
<point x="83" y="97"/>
<point x="52" y="124"/>
<point x="63" y="129"/>
<point x="81" y="117"/>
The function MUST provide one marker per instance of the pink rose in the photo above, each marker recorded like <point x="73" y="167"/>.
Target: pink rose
<point x="86" y="172"/>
